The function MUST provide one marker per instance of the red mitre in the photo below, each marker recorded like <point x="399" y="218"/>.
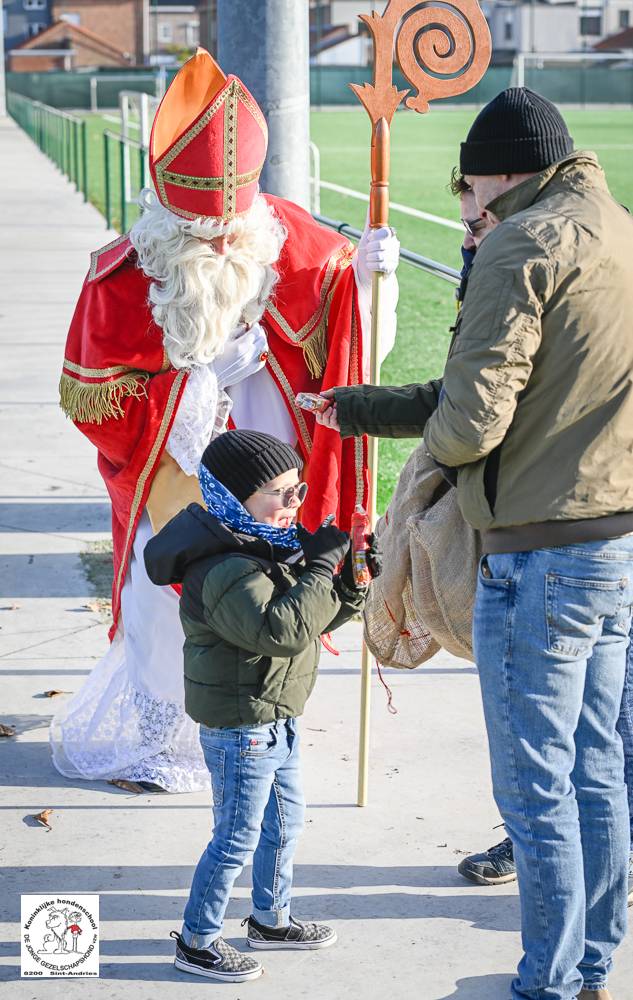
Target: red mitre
<point x="208" y="143"/>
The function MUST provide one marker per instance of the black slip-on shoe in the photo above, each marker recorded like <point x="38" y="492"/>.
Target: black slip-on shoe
<point x="493" y="867"/>
<point x="218" y="961"/>
<point x="297" y="936"/>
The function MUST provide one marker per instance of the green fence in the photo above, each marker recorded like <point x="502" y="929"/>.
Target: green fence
<point x="329" y="85"/>
<point x="59" y="135"/>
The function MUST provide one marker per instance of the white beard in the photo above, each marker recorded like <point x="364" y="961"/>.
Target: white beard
<point x="198" y="296"/>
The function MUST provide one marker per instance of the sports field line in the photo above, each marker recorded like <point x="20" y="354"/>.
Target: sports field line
<point x="397" y="207"/>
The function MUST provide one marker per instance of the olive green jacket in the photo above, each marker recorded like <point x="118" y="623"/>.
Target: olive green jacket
<point x="252" y="623"/>
<point x="536" y="405"/>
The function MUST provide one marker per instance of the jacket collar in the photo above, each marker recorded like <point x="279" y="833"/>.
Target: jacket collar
<point x="579" y="167"/>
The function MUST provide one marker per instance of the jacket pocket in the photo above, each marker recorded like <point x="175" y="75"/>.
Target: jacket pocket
<point x="471" y="494"/>
<point x="574" y="619"/>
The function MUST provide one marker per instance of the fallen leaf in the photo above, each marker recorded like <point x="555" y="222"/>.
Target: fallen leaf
<point x="311" y="730"/>
<point x="51" y="694"/>
<point x="7" y="730"/>
<point x="43" y="818"/>
<point x="92" y="606"/>
<point x="458" y="850"/>
<point x="442" y="845"/>
<point x="10" y="607"/>
<point x="127" y="786"/>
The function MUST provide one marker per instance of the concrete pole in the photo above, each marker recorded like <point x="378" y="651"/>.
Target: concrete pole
<point x="265" y="43"/>
<point x="3" y="92"/>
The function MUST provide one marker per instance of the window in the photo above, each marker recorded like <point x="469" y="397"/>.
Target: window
<point x="625" y="18"/>
<point x="591" y="24"/>
<point x="165" y="33"/>
<point x="35" y="27"/>
<point x="192" y="33"/>
<point x="507" y="29"/>
<point x="71" y="18"/>
<point x="34" y="4"/>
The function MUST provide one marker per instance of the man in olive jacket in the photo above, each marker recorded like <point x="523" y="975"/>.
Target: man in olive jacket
<point x="533" y="419"/>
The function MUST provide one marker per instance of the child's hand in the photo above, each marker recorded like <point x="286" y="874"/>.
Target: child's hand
<point x="325" y="547"/>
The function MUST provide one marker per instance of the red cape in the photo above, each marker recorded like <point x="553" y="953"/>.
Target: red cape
<point x="120" y="390"/>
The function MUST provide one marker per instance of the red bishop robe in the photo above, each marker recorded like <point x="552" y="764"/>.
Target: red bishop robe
<point x="121" y="391"/>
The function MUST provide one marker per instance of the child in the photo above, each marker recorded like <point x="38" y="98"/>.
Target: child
<point x="257" y="594"/>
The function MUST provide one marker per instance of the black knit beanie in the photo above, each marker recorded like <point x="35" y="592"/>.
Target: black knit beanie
<point x="245" y="460"/>
<point x="518" y="132"/>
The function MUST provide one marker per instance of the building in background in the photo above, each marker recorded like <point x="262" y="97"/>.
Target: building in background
<point x="23" y="19"/>
<point x="208" y="13"/>
<point x="337" y="37"/>
<point x="65" y="46"/>
<point x="174" y="31"/>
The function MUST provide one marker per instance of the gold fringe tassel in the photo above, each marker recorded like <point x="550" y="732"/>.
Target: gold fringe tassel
<point x="315" y="348"/>
<point x="94" y="402"/>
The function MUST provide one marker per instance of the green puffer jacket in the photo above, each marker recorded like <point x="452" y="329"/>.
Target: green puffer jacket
<point x="535" y="409"/>
<point x="252" y="623"/>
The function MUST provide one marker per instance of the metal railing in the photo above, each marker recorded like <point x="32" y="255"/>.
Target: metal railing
<point x="60" y="135"/>
<point x="125" y="143"/>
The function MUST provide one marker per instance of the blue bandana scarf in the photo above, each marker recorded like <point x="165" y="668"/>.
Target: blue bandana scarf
<point x="223" y="505"/>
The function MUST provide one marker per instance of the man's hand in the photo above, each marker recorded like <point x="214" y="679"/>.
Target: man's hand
<point x="328" y="418"/>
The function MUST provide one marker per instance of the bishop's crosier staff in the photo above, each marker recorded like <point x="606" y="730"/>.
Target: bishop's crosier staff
<point x="442" y="50"/>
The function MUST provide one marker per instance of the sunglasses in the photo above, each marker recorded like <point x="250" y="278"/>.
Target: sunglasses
<point x="287" y="493"/>
<point x="473" y="226"/>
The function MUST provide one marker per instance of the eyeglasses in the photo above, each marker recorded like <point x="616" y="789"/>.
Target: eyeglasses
<point x="473" y="226"/>
<point x="288" y="493"/>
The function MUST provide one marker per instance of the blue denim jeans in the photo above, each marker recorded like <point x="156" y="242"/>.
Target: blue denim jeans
<point x="551" y="630"/>
<point x="625" y="729"/>
<point x="258" y="808"/>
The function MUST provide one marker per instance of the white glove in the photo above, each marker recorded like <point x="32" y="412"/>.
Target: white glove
<point x="377" y="250"/>
<point x="244" y="353"/>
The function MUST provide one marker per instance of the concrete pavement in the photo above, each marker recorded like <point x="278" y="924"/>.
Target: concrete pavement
<point x="384" y="875"/>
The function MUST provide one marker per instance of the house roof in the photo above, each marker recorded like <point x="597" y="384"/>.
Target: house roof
<point x="614" y="43"/>
<point x="67" y="32"/>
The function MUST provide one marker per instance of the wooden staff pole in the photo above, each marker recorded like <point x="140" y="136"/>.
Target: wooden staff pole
<point x="378" y="216"/>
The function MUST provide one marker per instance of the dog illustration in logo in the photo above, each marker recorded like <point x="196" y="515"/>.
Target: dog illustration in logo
<point x="54" y="942"/>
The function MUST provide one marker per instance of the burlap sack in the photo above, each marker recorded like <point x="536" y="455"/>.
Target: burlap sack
<point x="423" y="599"/>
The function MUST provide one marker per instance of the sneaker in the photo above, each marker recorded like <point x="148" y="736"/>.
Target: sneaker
<point x="219" y="961"/>
<point x="297" y="935"/>
<point x="630" y="896"/>
<point x="494" y="867"/>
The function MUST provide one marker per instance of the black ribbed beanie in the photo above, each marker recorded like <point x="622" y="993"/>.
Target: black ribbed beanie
<point x="245" y="460"/>
<point x="518" y="132"/>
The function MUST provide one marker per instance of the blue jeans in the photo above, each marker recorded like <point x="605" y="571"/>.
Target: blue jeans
<point x="258" y="806"/>
<point x="551" y="630"/>
<point x="625" y="729"/>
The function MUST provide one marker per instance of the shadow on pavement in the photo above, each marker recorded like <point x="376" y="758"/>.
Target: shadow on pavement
<point x="495" y="987"/>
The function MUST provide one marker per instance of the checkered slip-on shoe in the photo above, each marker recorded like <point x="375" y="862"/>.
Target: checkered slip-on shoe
<point x="493" y="867"/>
<point x="219" y="961"/>
<point x="296" y="936"/>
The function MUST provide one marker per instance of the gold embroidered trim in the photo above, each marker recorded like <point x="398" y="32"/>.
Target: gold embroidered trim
<point x="209" y="183"/>
<point x="255" y="110"/>
<point x="355" y="367"/>
<point x="96" y="255"/>
<point x="286" y="388"/>
<point x="142" y="479"/>
<point x="230" y="154"/>
<point x="313" y="339"/>
<point x="94" y="402"/>
<point x="96" y="372"/>
<point x="341" y="257"/>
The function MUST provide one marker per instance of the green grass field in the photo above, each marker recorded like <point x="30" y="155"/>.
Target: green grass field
<point x="423" y="151"/>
